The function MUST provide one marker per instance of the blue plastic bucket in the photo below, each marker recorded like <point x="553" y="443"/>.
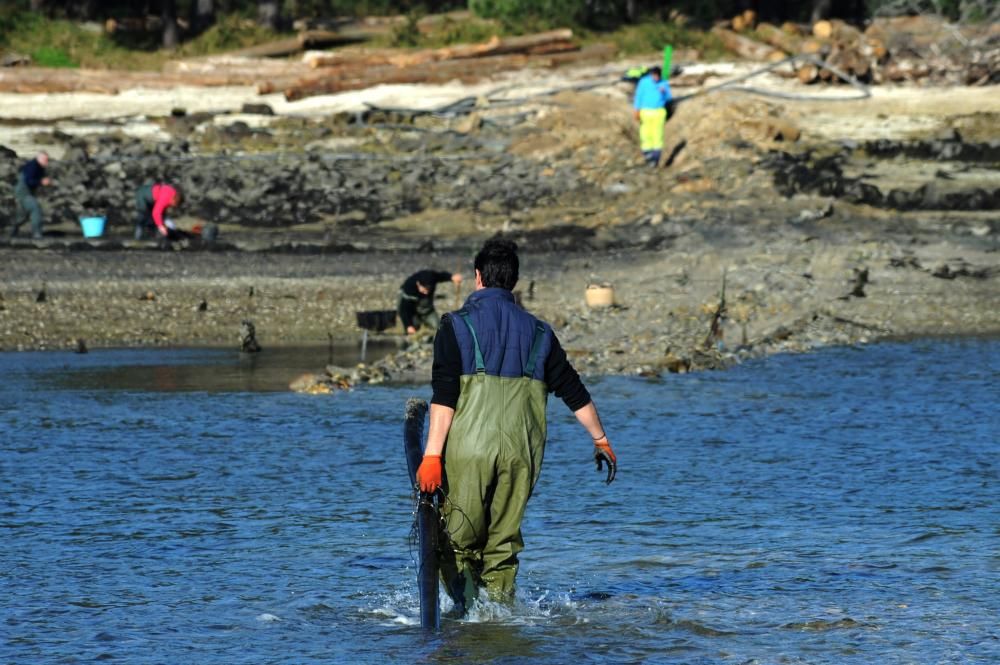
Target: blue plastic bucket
<point x="93" y="227"/>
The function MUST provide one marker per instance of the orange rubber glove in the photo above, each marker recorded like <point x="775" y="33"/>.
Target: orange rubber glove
<point x="604" y="454"/>
<point x="429" y="473"/>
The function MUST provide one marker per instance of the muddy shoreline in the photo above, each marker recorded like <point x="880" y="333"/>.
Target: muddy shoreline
<point x="832" y="223"/>
<point x="790" y="294"/>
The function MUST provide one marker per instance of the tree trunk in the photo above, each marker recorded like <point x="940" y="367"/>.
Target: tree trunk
<point x="821" y="10"/>
<point x="202" y="15"/>
<point x="169" y="16"/>
<point x="807" y="73"/>
<point x="37" y="5"/>
<point x="745" y="47"/>
<point x="778" y="38"/>
<point x="632" y="10"/>
<point x="269" y="13"/>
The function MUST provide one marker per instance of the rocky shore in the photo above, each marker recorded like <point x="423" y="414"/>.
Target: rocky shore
<point x="822" y="235"/>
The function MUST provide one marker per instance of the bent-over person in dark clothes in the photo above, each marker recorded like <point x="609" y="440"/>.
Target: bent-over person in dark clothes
<point x="416" y="299"/>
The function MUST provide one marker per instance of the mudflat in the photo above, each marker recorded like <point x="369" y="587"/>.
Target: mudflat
<point x="830" y="222"/>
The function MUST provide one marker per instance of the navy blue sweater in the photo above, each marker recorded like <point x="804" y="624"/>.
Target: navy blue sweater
<point x="33" y="173"/>
<point x="560" y="376"/>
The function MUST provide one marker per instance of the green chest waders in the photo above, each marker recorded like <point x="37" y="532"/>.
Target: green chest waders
<point x="492" y="459"/>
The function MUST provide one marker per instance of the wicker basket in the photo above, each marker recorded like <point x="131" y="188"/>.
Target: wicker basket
<point x="599" y="295"/>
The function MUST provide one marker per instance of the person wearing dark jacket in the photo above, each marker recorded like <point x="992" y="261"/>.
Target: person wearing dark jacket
<point x="416" y="298"/>
<point x="30" y="177"/>
<point x="494" y="366"/>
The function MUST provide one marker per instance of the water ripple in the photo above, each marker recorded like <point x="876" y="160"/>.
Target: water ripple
<point x="800" y="509"/>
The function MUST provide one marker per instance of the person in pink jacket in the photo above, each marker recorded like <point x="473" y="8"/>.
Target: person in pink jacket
<point x="152" y="201"/>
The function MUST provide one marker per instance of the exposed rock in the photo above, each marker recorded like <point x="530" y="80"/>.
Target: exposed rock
<point x="257" y="109"/>
<point x="808" y="174"/>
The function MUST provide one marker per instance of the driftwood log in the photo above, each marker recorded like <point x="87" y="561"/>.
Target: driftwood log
<point x="746" y="47"/>
<point x="744" y="21"/>
<point x="554" y="41"/>
<point x="304" y="40"/>
<point x="780" y="39"/>
<point x="355" y="76"/>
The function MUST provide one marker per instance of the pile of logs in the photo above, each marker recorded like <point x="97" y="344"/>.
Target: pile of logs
<point x="323" y="72"/>
<point x="887" y="50"/>
<point x="347" y="70"/>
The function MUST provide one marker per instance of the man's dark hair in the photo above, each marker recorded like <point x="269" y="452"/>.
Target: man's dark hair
<point x="655" y="70"/>
<point x="497" y="263"/>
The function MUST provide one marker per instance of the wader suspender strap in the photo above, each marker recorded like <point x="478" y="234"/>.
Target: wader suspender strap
<point x="536" y="343"/>
<point x="480" y="365"/>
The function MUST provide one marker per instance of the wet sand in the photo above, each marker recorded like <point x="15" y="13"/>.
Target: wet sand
<point x="787" y="291"/>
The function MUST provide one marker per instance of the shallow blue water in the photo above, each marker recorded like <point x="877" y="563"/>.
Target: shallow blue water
<point x="840" y="507"/>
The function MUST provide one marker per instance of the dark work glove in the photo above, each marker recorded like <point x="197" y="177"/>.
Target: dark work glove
<point x="604" y="455"/>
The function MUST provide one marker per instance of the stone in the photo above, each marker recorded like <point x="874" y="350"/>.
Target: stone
<point x="469" y="124"/>
<point x="257" y="109"/>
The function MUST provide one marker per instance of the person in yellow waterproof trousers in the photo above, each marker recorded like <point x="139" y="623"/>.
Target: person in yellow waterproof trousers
<point x="651" y="97"/>
<point x="494" y="366"/>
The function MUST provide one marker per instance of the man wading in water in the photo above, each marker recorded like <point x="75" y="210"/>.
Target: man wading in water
<point x="494" y="365"/>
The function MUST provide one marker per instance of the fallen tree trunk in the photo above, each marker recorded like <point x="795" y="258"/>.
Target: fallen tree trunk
<point x="744" y="21"/>
<point x="816" y="47"/>
<point x="343" y="79"/>
<point x="302" y="41"/>
<point x="779" y="39"/>
<point x="237" y="70"/>
<point x="45" y="87"/>
<point x="554" y="41"/>
<point x="807" y="74"/>
<point x="744" y="46"/>
<point x="110" y="82"/>
<point x="837" y="31"/>
<point x="351" y="76"/>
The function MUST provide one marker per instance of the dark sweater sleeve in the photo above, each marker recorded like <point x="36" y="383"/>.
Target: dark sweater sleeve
<point x="440" y="276"/>
<point x="446" y="372"/>
<point x="407" y="310"/>
<point x="562" y="378"/>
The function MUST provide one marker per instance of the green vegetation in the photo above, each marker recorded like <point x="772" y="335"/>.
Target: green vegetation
<point x="49" y="43"/>
<point x="229" y="33"/>
<point x="445" y="32"/>
<point x="652" y="36"/>
<point x="63" y="43"/>
<point x="47" y="56"/>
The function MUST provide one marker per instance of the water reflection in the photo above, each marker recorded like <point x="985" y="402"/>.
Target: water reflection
<point x="210" y="370"/>
<point x="834" y="508"/>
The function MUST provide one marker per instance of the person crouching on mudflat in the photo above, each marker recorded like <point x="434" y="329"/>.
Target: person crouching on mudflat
<point x="494" y="366"/>
<point x="152" y="201"/>
<point x="416" y="299"/>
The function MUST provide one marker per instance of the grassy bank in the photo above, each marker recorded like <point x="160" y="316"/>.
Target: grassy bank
<point x="63" y="43"/>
